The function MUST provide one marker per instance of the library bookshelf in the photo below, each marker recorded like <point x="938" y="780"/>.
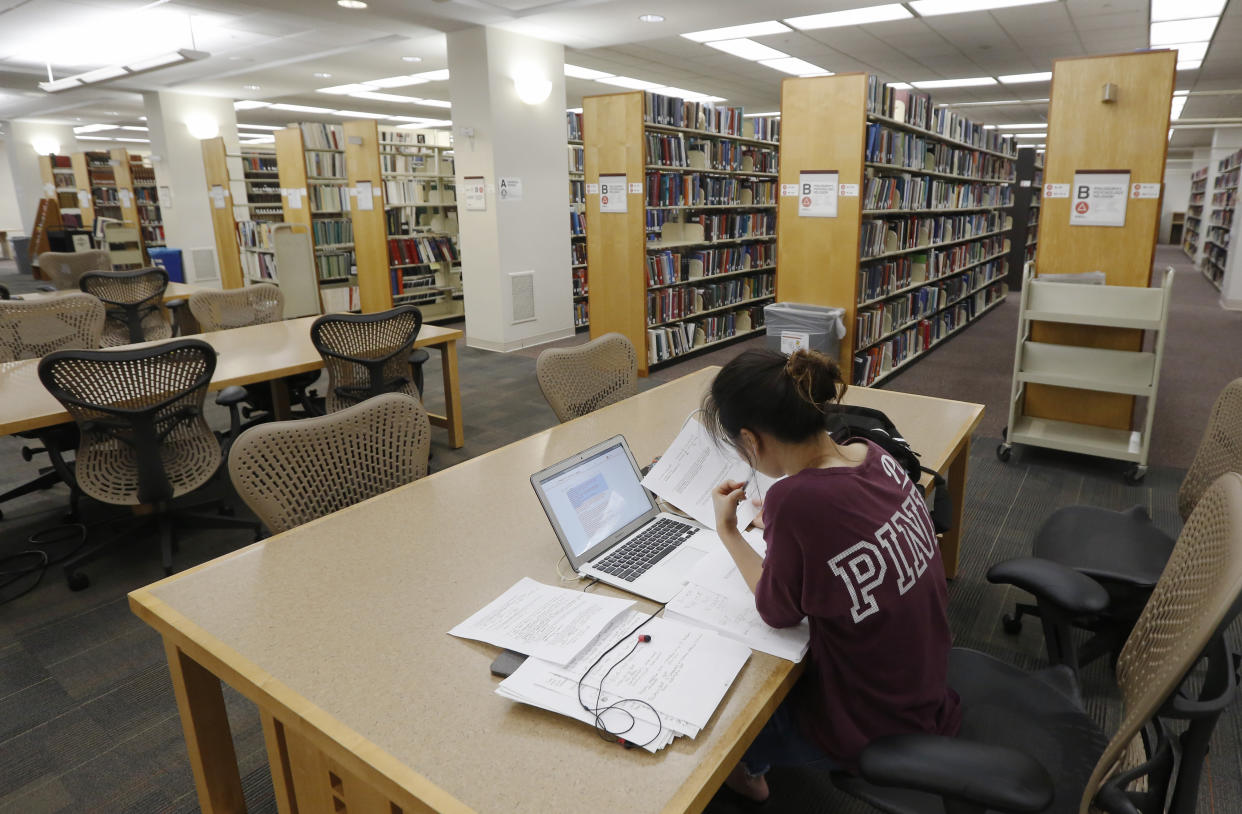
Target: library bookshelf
<point x="255" y="243"/>
<point x="1220" y="223"/>
<point x="147" y="203"/>
<point x="690" y="263"/>
<point x="577" y="220"/>
<point x="1027" y="198"/>
<point x="918" y="248"/>
<point x="1194" y="213"/>
<point x="60" y="183"/>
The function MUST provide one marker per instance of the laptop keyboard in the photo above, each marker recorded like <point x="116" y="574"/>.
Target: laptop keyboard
<point x="633" y="559"/>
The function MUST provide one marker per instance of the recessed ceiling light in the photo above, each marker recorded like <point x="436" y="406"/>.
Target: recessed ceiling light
<point x="650" y="18"/>
<point x="431" y="76"/>
<point x="360" y="114"/>
<point x="411" y="59"/>
<point x="746" y="49"/>
<point x="1028" y="126"/>
<point x="578" y="72"/>
<point x="322" y="75"/>
<point x="735" y="31"/>
<point x="1189" y="65"/>
<point x="1162" y="10"/>
<point x="259" y="127"/>
<point x="1179" y="102"/>
<point x="1029" y="135"/>
<point x="1020" y="78"/>
<point x="352" y="4"/>
<point x="1176" y="31"/>
<point x="93" y="128"/>
<point x="249" y="104"/>
<point x="134" y="128"/>
<point x="1188" y="51"/>
<point x="341" y="90"/>
<point x="301" y="108"/>
<point x="629" y="82"/>
<point x="775" y="113"/>
<point x="929" y="8"/>
<point x="971" y="82"/>
<point x="434" y="103"/>
<point x="252" y="87"/>
<point x="395" y="82"/>
<point x="852" y="16"/>
<point x="142" y="118"/>
<point x="900" y="85"/>
<point x="795" y="66"/>
<point x="688" y="95"/>
<point x="383" y="97"/>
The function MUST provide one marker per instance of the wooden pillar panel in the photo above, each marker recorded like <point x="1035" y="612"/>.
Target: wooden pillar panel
<point x="82" y="177"/>
<point x="223" y="220"/>
<point x="823" y="127"/>
<point x="362" y="165"/>
<point x="291" y="168"/>
<point x="1085" y="133"/>
<point x="124" y="184"/>
<point x="616" y="243"/>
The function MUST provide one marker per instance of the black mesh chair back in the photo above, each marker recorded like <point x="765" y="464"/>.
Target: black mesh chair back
<point x="367" y="354"/>
<point x="4" y="292"/>
<point x="140" y="414"/>
<point x="133" y="300"/>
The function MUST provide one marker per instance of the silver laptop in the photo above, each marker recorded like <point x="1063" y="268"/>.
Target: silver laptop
<point x="612" y="529"/>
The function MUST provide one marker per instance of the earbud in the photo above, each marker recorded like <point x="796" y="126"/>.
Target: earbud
<point x="643" y="637"/>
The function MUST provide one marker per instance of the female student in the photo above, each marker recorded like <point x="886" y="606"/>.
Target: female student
<point x="851" y="547"/>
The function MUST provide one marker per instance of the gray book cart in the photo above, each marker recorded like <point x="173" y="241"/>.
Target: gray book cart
<point x="1135" y="373"/>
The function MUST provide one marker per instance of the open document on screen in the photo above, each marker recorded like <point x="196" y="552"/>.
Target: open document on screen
<point x="595" y="498"/>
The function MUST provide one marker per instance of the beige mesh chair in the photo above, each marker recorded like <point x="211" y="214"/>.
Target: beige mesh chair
<point x="65" y="269"/>
<point x="134" y="307"/>
<point x="581" y="379"/>
<point x="291" y="472"/>
<point x="370" y="354"/>
<point x="237" y="307"/>
<point x="1123" y="551"/>
<point x="1027" y="745"/>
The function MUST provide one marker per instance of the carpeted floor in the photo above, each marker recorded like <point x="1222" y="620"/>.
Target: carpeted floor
<point x="87" y="718"/>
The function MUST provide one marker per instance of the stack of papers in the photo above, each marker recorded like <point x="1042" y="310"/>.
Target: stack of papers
<point x="682" y="673"/>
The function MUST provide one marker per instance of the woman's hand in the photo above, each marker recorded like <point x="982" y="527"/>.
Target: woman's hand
<point x="725" y="499"/>
<point x="758" y="521"/>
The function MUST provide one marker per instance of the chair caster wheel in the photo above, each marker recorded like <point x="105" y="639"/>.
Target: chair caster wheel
<point x="77" y="581"/>
<point x="1004" y="452"/>
<point x="1011" y="625"/>
<point x="1005" y="433"/>
<point x="1135" y="474"/>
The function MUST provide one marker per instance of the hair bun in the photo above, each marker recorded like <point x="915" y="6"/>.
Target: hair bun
<point x="816" y="377"/>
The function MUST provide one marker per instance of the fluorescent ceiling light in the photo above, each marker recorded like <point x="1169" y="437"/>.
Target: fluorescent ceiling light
<point x="101" y="74"/>
<point x="1190" y="50"/>
<point x="384" y="97"/>
<point x="795" y="66"/>
<point x="689" y="95"/>
<point x="259" y="127"/>
<point x="629" y="82"/>
<point x="396" y="81"/>
<point x="1189" y="65"/>
<point x="900" y="85"/>
<point x="1020" y="78"/>
<point x="1181" y="93"/>
<point x="94" y="128"/>
<point x="135" y="128"/>
<point x="136" y="140"/>
<point x="931" y="8"/>
<point x="431" y="76"/>
<point x="1028" y="135"/>
<point x="1031" y="126"/>
<point x="1179" y="102"/>
<point x="971" y="82"/>
<point x="989" y="127"/>
<point x="341" y="90"/>
<point x="567" y="110"/>
<point x="351" y="4"/>
<point x="650" y="18"/>
<point x="434" y="103"/>
<point x="775" y="113"/>
<point x="426" y="124"/>
<point x="853" y="16"/>
<point x="95" y="138"/>
<point x="60" y="84"/>
<point x="1164" y="10"/>
<point x="116" y="71"/>
<point x="735" y="31"/>
<point x="578" y="72"/>
<point x="250" y="104"/>
<point x="151" y="63"/>
<point x="408" y="118"/>
<point x="747" y="49"/>
<point x="411" y="59"/>
<point x="360" y="114"/>
<point x="301" y="108"/>
<point x="1171" y="33"/>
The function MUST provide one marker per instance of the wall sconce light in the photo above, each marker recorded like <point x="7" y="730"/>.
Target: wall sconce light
<point x="202" y="126"/>
<point x="531" y="85"/>
<point x="45" y="145"/>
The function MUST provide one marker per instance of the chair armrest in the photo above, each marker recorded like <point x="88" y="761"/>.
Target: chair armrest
<point x="1064" y="587"/>
<point x="233" y="394"/>
<point x="419" y="356"/>
<point x="172" y="305"/>
<point x="46" y="287"/>
<point x="953" y="768"/>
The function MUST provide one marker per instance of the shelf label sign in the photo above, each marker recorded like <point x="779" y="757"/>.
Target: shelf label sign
<point x="362" y="192"/>
<point x="217" y="196"/>
<point x="127" y="198"/>
<point x="84" y="199"/>
<point x="1056" y="190"/>
<point x="476" y="193"/>
<point x="849" y="190"/>
<point x="612" y="195"/>
<point x="817" y="194"/>
<point x="789" y="190"/>
<point x="1099" y="198"/>
<point x="510" y="189"/>
<point x="1144" y="190"/>
<point x="592" y="189"/>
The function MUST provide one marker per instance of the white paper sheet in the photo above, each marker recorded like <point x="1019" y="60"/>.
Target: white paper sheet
<point x="553" y="624"/>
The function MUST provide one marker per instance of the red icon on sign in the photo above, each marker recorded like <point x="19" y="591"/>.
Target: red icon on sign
<point x="603" y="200"/>
<point x="806" y="201"/>
<point x="1081" y="207"/>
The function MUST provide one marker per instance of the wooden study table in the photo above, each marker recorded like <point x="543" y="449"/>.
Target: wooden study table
<point x="337" y="631"/>
<point x="256" y="353"/>
<point x="175" y="291"/>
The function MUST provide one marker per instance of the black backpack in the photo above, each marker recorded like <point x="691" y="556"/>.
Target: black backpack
<point x="849" y="421"/>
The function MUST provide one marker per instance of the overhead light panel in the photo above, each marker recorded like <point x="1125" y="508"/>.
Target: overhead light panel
<point x="134" y="140"/>
<point x="360" y="114"/>
<point x="735" y="31"/>
<point x="578" y="72"/>
<point x="1179" y="102"/>
<point x="128" y="69"/>
<point x="795" y="66"/>
<point x="101" y="74"/>
<point x="971" y="82"/>
<point x="250" y="104"/>
<point x="431" y="76"/>
<point x="775" y="113"/>
<point x="434" y="103"/>
<point x="1189" y="65"/>
<point x="94" y="128"/>
<point x="900" y="85"/>
<point x="259" y="127"/>
<point x="301" y="108"/>
<point x="1163" y="10"/>
<point x="629" y="82"/>
<point x="931" y="8"/>
<point x="1030" y="126"/>
<point x="385" y="97"/>
<point x="747" y="49"/>
<point x="135" y="128"/>
<point x="689" y="95"/>
<point x="1023" y="78"/>
<point x="1190" y="50"/>
<point x="853" y="16"/>
<point x="396" y="81"/>
<point x="1027" y="135"/>
<point x="1171" y="33"/>
<point x="342" y="90"/>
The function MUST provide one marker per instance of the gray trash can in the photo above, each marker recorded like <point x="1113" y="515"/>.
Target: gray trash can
<point x="21" y="253"/>
<point x="792" y="325"/>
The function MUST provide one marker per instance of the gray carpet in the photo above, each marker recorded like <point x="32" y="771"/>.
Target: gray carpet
<point x="87" y="718"/>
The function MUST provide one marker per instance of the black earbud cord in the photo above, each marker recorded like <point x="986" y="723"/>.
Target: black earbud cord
<point x="599" y="711"/>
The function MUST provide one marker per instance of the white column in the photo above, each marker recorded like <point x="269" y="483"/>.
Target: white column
<point x="177" y="157"/>
<point x="26" y="141"/>
<point x="515" y="253"/>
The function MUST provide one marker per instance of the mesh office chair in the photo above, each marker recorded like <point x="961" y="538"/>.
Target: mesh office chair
<point x="4" y="292"/>
<point x="133" y="300"/>
<point x="581" y="379"/>
<point x="370" y="354"/>
<point x="237" y="307"/>
<point x="144" y="438"/>
<point x="291" y="472"/>
<point x="64" y="269"/>
<point x="1026" y="745"/>
<point x="33" y="328"/>
<point x="1123" y="552"/>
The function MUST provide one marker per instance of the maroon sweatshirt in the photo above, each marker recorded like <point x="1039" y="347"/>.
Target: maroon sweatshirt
<point x="853" y="549"/>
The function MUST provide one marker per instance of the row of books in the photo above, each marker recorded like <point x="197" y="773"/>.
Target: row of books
<point x="582" y="314"/>
<point x="146" y="195"/>
<point x="577" y="223"/>
<point x="672" y="267"/>
<point x="419" y="163"/>
<point x="916" y="109"/>
<point x="675" y="112"/>
<point x="152" y="234"/>
<point x="1227" y="198"/>
<point x="1218" y="235"/>
<point x="256" y="267"/>
<point x="407" y="191"/>
<point x="678" y="150"/>
<point x="667" y="342"/>
<point x="901" y="148"/>
<point x="338" y="299"/>
<point x="577" y="191"/>
<point x="394" y="138"/>
<point x="578" y="254"/>
<point x="573" y="126"/>
<point x="406" y="251"/>
<point x="64" y="181"/>
<point x="903" y="191"/>
<point x="577" y="158"/>
<point x="877" y="280"/>
<point x="332" y="231"/>
<point x="884" y="235"/>
<point x="671" y="304"/>
<point x="106" y="196"/>
<point x="328" y="198"/>
<point x="325" y="165"/>
<point x="323" y="136"/>
<point x="580" y="282"/>
<point x="1229" y="162"/>
<point x="696" y="189"/>
<point x="253" y="234"/>
<point x="336" y="266"/>
<point x="733" y="225"/>
<point x="766" y="128"/>
<point x="1221" y="217"/>
<point x="258" y="163"/>
<point x="141" y="176"/>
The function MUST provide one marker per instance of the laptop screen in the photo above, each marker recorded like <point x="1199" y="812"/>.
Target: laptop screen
<point x="595" y="497"/>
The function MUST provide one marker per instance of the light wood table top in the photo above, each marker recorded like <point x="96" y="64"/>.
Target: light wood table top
<point x="338" y="629"/>
<point x="247" y="355"/>
<point x="175" y="291"/>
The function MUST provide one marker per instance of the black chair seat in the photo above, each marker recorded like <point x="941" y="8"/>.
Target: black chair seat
<point x="1123" y="547"/>
<point x="1034" y="713"/>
